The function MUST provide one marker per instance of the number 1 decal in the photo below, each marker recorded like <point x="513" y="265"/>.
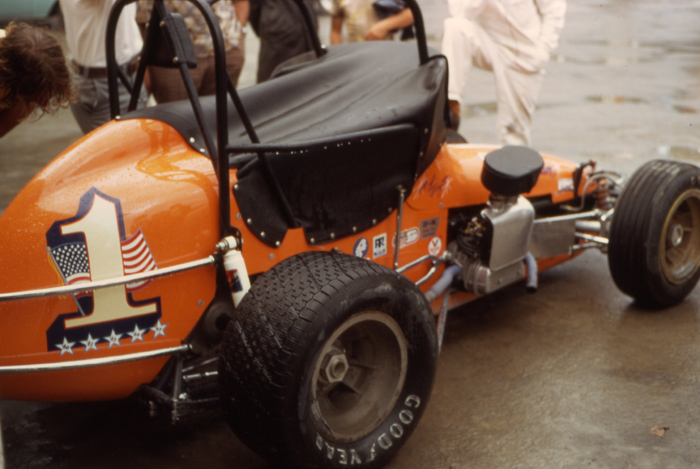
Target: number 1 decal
<point x="93" y="246"/>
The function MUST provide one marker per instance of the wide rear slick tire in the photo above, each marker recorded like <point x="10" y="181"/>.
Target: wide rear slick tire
<point x="654" y="247"/>
<point x="329" y="362"/>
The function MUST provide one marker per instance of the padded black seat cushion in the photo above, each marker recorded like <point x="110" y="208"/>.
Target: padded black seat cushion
<point x="353" y="87"/>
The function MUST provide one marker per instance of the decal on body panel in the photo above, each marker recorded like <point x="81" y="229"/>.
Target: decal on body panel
<point x="435" y="246"/>
<point x="361" y="248"/>
<point x="379" y="246"/>
<point x="93" y="246"/>
<point x="433" y="187"/>
<point x="407" y="237"/>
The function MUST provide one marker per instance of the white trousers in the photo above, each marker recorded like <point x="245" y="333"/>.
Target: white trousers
<point x="465" y="43"/>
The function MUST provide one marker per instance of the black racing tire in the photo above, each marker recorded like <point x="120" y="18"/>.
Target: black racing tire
<point x="329" y="362"/>
<point x="654" y="246"/>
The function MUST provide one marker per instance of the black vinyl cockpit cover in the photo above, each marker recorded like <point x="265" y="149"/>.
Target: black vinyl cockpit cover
<point x="352" y="91"/>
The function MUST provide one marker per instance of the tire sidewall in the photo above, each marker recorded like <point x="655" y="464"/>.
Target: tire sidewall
<point x="403" y="302"/>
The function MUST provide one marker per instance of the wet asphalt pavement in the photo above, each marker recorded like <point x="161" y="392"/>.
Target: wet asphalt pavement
<point x="573" y="376"/>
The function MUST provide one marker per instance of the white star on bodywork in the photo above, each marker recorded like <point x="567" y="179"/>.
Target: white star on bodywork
<point x="114" y="339"/>
<point x="159" y="329"/>
<point x="90" y="343"/>
<point x="137" y="334"/>
<point x="66" y="346"/>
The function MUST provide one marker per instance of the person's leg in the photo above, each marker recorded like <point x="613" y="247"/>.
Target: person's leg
<point x="464" y="44"/>
<point x="235" y="58"/>
<point x="167" y="84"/>
<point x="234" y="65"/>
<point x="93" y="109"/>
<point x="517" y="94"/>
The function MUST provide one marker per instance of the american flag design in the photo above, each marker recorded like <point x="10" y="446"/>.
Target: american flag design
<point x="73" y="263"/>
<point x="137" y="258"/>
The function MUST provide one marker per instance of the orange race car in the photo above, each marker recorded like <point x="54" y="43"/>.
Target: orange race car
<point x="290" y="252"/>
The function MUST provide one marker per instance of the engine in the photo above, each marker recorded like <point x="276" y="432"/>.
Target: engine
<point x="493" y="245"/>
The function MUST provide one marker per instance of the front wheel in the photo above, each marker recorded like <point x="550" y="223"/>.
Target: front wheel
<point x="654" y="250"/>
<point x="329" y="362"/>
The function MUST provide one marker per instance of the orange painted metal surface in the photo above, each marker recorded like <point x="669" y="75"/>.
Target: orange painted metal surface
<point x="454" y="179"/>
<point x="168" y="193"/>
<point x="139" y="180"/>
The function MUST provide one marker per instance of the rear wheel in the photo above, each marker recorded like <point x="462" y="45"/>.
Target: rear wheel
<point x="329" y="362"/>
<point x="654" y="251"/>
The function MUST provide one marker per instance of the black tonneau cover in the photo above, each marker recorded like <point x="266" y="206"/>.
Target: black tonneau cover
<point x="353" y="87"/>
<point x="373" y="96"/>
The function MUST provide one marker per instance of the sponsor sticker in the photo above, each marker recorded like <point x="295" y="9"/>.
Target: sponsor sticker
<point x="435" y="246"/>
<point x="408" y="237"/>
<point x="429" y="227"/>
<point x="361" y="248"/>
<point x="379" y="246"/>
<point x="566" y="185"/>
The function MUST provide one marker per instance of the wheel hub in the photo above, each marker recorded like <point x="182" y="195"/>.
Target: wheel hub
<point x="680" y="250"/>
<point x="335" y="366"/>
<point x="358" y="377"/>
<point x="675" y="235"/>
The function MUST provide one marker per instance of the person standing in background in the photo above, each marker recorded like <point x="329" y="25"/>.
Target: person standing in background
<point x="167" y="84"/>
<point x="512" y="38"/>
<point x="282" y="31"/>
<point x="34" y="76"/>
<point x="362" y="21"/>
<point x="86" y="28"/>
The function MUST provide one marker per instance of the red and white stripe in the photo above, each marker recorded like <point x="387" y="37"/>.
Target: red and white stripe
<point x="137" y="258"/>
<point x="79" y="277"/>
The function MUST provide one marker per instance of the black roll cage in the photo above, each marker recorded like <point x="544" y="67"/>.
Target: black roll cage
<point x="162" y="20"/>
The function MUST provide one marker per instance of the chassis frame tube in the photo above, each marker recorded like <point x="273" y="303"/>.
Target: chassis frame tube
<point x="92" y="362"/>
<point x="97" y="284"/>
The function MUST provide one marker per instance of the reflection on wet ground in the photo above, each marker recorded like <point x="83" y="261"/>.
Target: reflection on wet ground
<point x="488" y="108"/>
<point x="690" y="154"/>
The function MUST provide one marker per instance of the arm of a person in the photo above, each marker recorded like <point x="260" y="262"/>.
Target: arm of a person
<point x="242" y="8"/>
<point x="552" y="13"/>
<point x="380" y="29"/>
<point x="337" y="30"/>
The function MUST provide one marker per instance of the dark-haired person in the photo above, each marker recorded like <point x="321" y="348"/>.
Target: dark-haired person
<point x="34" y="76"/>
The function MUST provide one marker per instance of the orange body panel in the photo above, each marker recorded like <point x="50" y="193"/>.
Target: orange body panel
<point x="454" y="179"/>
<point x="167" y="191"/>
<point x="140" y="176"/>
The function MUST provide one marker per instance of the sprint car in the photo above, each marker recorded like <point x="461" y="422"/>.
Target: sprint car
<point x="290" y="251"/>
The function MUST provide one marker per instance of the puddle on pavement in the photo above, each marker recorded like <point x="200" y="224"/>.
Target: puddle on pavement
<point x="490" y="108"/>
<point x="612" y="61"/>
<point x="616" y="99"/>
<point x="684" y="109"/>
<point x="613" y="99"/>
<point x="683" y="153"/>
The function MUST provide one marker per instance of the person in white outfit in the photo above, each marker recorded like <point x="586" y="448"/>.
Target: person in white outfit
<point x="512" y="38"/>
<point x="86" y="31"/>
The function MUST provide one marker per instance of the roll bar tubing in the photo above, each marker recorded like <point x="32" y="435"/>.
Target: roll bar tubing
<point x="224" y="84"/>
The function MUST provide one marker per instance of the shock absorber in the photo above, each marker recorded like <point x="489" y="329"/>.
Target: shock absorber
<point x="235" y="268"/>
<point x="602" y="195"/>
